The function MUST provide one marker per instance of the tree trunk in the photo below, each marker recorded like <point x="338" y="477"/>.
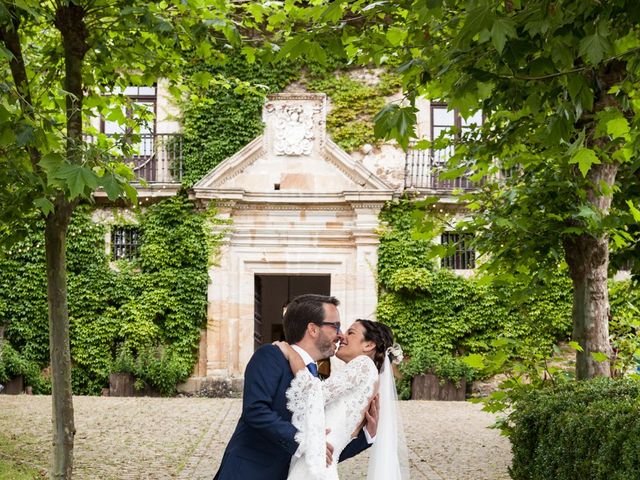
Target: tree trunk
<point x="57" y="224"/>
<point x="588" y="260"/>
<point x="70" y="21"/>
<point x="1" y="340"/>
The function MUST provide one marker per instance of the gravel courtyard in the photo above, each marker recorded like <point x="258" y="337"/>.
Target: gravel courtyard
<point x="183" y="438"/>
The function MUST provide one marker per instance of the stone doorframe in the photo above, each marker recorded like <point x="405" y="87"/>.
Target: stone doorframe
<point x="231" y="309"/>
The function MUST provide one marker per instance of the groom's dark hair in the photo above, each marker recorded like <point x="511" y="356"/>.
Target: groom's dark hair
<point x="303" y="310"/>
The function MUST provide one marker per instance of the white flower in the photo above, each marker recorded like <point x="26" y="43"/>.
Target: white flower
<point x="395" y="351"/>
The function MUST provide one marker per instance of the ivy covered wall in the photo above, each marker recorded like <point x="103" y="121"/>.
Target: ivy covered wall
<point x="219" y="120"/>
<point x="150" y="309"/>
<point x="433" y="309"/>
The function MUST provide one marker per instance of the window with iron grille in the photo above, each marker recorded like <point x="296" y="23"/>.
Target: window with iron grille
<point x="125" y="242"/>
<point x="464" y="257"/>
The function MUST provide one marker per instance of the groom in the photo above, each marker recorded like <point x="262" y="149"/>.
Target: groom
<point x="263" y="443"/>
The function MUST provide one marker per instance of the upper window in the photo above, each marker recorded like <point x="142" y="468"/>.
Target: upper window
<point x="443" y="119"/>
<point x="125" y="242"/>
<point x="464" y="257"/>
<point x="142" y="106"/>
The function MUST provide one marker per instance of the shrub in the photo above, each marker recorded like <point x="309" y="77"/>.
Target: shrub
<point x="12" y="365"/>
<point x="578" y="430"/>
<point x="426" y="360"/>
<point x="160" y="368"/>
<point x="124" y="362"/>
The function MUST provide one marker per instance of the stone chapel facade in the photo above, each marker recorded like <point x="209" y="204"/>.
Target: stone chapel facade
<point x="303" y="218"/>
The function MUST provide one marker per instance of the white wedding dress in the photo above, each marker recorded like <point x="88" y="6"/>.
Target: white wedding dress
<point x="339" y="404"/>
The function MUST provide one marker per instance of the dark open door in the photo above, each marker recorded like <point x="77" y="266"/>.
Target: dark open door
<point x="257" y="312"/>
<point x="271" y="295"/>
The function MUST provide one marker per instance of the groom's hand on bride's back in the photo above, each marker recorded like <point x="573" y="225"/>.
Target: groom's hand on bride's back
<point x="371" y="416"/>
<point x="329" y="449"/>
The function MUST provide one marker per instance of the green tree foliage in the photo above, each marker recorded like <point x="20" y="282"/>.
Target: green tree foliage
<point x="557" y="83"/>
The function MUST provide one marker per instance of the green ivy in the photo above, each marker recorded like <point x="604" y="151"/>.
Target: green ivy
<point x="432" y="308"/>
<point x="353" y="105"/>
<point x="157" y="303"/>
<point x="220" y="120"/>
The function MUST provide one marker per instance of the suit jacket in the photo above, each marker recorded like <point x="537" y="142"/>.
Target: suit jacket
<point x="263" y="442"/>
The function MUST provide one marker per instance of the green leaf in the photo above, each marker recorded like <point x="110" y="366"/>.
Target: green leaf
<point x="623" y="155"/>
<point x="7" y="136"/>
<point x="290" y="48"/>
<point x="5" y="53"/>
<point x="599" y="356"/>
<point x="626" y="43"/>
<point x="396" y="122"/>
<point x="78" y="179"/>
<point x="634" y="211"/>
<point x="594" y="47"/>
<point x="618" y="127"/>
<point x="333" y="13"/>
<point x="476" y="20"/>
<point x="315" y="52"/>
<point x="576" y="346"/>
<point x="585" y="157"/>
<point x="51" y="162"/>
<point x="562" y="57"/>
<point x="131" y="192"/>
<point x="202" y="79"/>
<point x="395" y="35"/>
<point x="575" y="83"/>
<point x="44" y="204"/>
<point x="25" y="135"/>
<point x="502" y="29"/>
<point x="111" y="186"/>
<point x="474" y="360"/>
<point x="232" y="35"/>
<point x="256" y="9"/>
<point x="249" y="53"/>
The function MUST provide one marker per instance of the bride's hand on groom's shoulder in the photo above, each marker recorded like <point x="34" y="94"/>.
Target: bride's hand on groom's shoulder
<point x="285" y="348"/>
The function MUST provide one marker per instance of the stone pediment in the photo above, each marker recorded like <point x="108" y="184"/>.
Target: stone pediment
<point x="292" y="161"/>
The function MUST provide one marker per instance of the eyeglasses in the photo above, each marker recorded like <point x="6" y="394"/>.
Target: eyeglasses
<point x="335" y="325"/>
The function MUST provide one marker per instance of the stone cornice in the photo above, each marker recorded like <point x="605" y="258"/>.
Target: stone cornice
<point x="297" y="96"/>
<point x="327" y="207"/>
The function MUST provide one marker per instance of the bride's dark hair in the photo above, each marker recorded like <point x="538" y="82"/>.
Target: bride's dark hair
<point x="379" y="334"/>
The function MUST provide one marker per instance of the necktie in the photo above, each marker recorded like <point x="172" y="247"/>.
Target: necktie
<point x="313" y="368"/>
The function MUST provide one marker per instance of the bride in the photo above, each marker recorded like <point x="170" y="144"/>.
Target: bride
<point x="333" y="411"/>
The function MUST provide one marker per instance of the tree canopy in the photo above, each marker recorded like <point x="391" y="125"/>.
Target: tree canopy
<point x="62" y="63"/>
<point x="556" y="156"/>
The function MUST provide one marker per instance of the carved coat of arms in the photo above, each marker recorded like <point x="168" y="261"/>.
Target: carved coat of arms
<point x="294" y="133"/>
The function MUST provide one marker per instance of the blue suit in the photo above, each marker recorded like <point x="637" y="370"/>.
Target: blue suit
<point x="263" y="443"/>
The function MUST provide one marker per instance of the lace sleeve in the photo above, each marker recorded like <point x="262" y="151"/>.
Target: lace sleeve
<point x="359" y="373"/>
<point x="306" y="403"/>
